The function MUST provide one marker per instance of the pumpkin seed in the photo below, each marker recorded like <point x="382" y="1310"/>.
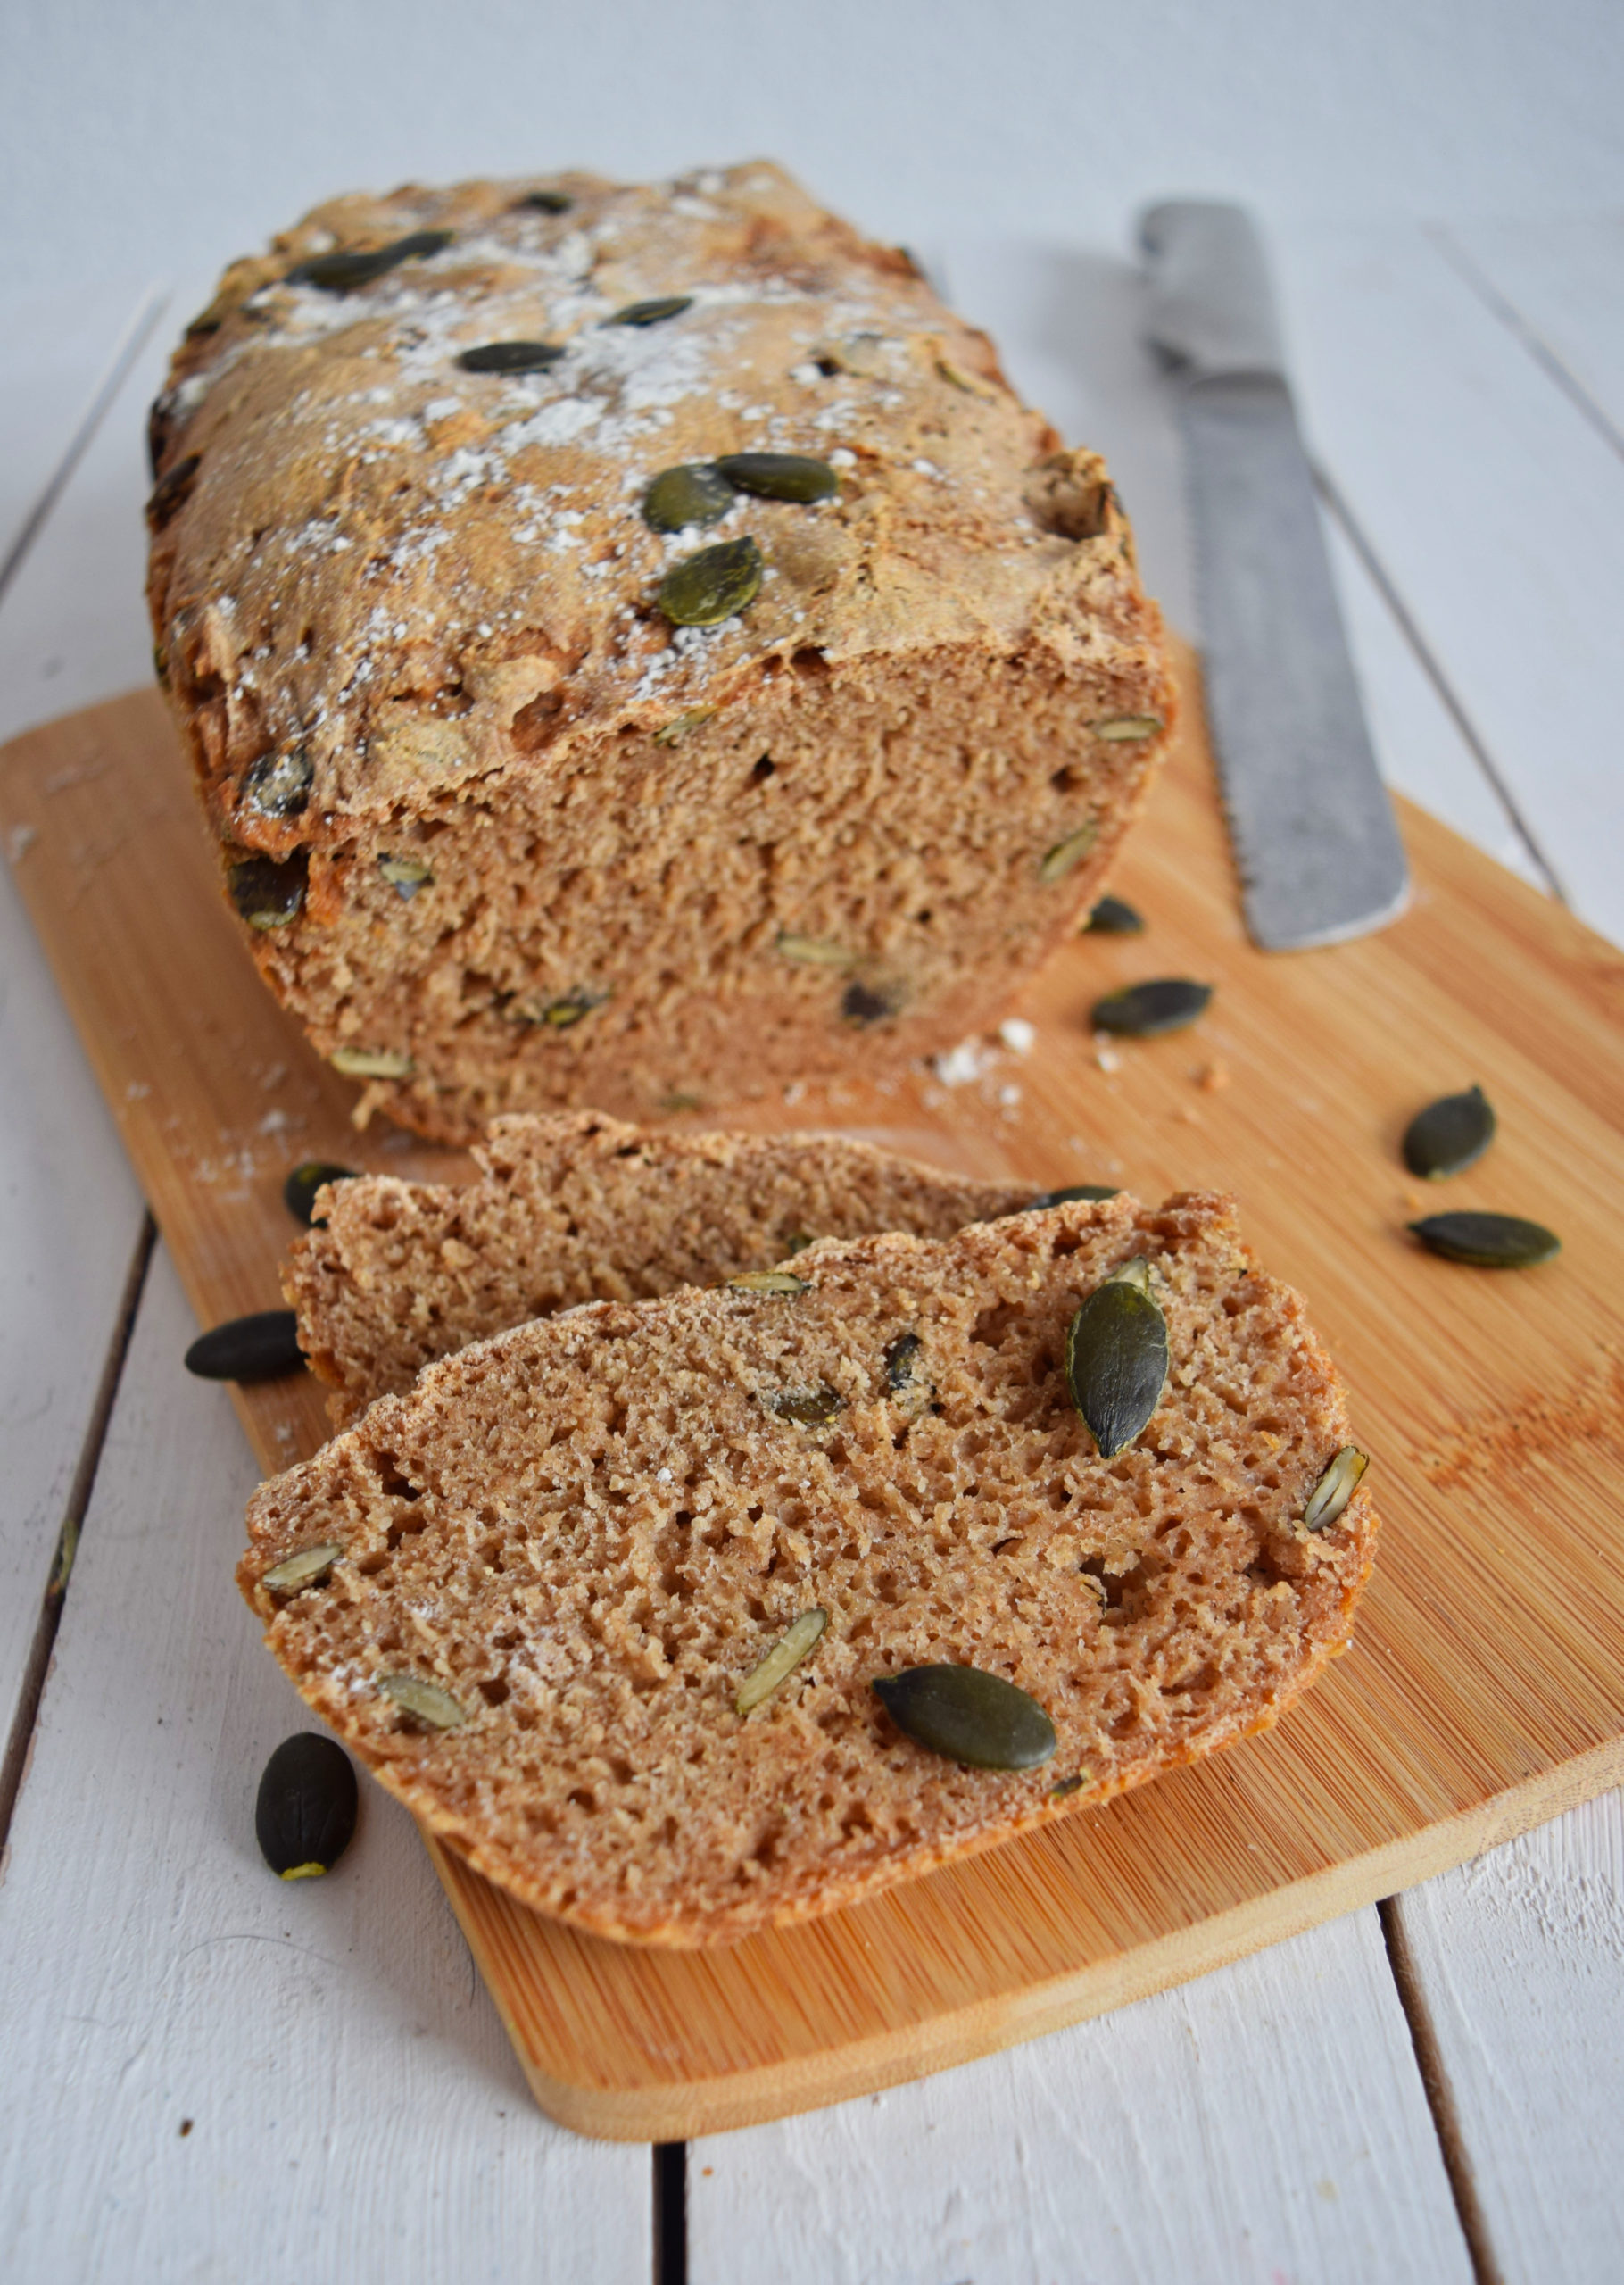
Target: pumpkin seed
<point x="545" y="201"/>
<point x="767" y="1281"/>
<point x="1449" y="1135"/>
<point x="1335" y="1487"/>
<point x="691" y="493"/>
<point x="968" y="1716"/>
<point x="269" y="892"/>
<point x="1165" y="1004"/>
<point x="304" y="1813"/>
<point x="370" y="1063"/>
<point x="959" y="378"/>
<point x="299" y="1191"/>
<point x="1135" y="1271"/>
<point x="780" y="476"/>
<point x="1116" y="1359"/>
<point x="170" y="492"/>
<point x="676" y="730"/>
<point x="1113" y="916"/>
<point x="1060" y="859"/>
<point x="654" y="313"/>
<point x="510" y="357"/>
<point x="160" y="665"/>
<point x="278" y="783"/>
<point x="1067" y="1785"/>
<point x="338" y="273"/>
<point x="797" y="1242"/>
<point x="563" y="1015"/>
<point x="405" y="875"/>
<point x="713" y="585"/>
<point x="900" y="1358"/>
<point x="781" y="1661"/>
<point x="262" y="1347"/>
<point x="1118" y="729"/>
<point x="814" y="951"/>
<point x="808" y="1408"/>
<point x="1488" y="1241"/>
<point x="302" y="1569"/>
<point x="1093" y="1191"/>
<point x="425" y="1701"/>
<point x="863" y="1004"/>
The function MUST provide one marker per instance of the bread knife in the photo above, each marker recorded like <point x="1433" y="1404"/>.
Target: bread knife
<point x="1315" y="841"/>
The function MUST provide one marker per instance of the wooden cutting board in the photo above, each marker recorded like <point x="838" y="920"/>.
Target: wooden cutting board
<point x="1486" y="1690"/>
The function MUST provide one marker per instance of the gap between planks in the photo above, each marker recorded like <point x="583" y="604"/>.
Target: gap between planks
<point x="1528" y="333"/>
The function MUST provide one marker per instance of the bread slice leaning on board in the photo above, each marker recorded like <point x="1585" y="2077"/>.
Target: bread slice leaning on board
<point x="635" y="646"/>
<point x="605" y="1599"/>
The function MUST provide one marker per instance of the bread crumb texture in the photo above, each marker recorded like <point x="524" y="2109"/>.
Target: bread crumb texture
<point x="577" y="1207"/>
<point x="589" y="1531"/>
<point x="520" y="841"/>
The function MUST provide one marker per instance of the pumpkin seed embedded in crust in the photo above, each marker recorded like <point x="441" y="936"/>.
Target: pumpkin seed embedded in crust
<point x="372" y="1063"/>
<point x="767" y="1281"/>
<point x="1449" y="1135"/>
<point x="510" y="357"/>
<point x="425" y="1701"/>
<point x="1117" y="730"/>
<point x="1488" y="1241"/>
<point x="691" y="492"/>
<point x="714" y="586"/>
<point x="303" y="1568"/>
<point x="901" y="1355"/>
<point x="672" y="733"/>
<point x="780" y="476"/>
<point x="309" y="1176"/>
<point x="1059" y="860"/>
<point x="1335" y="1487"/>
<point x="969" y="1717"/>
<point x="1164" y="1003"/>
<point x="304" y="1812"/>
<point x="781" y="1661"/>
<point x="545" y="201"/>
<point x="170" y="493"/>
<point x="405" y="875"/>
<point x="269" y="892"/>
<point x="278" y="783"/>
<point x="340" y="272"/>
<point x="814" y="951"/>
<point x="807" y="1408"/>
<point x="1116" y="1360"/>
<point x="1092" y="1191"/>
<point x="1114" y="916"/>
<point x="652" y="312"/>
<point x="862" y="1004"/>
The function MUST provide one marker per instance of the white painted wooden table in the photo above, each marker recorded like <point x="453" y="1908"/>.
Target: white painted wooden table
<point x="209" y="2076"/>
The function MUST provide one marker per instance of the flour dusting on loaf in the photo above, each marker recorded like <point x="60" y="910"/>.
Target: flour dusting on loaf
<point x="503" y="834"/>
<point x="552" y="1565"/>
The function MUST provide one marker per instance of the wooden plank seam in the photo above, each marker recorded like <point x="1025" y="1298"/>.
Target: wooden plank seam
<point x="1529" y="334"/>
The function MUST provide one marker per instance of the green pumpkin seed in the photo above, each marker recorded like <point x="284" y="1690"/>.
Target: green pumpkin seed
<point x="814" y="952"/>
<point x="1335" y="1488"/>
<point x="968" y="1716"/>
<point x="1116" y="1359"/>
<point x="425" y="1701"/>
<point x="563" y="1015"/>
<point x="1135" y="1271"/>
<point x="340" y="272"/>
<point x="304" y="1812"/>
<point x="654" y="313"/>
<point x="713" y="585"/>
<point x="862" y="1004"/>
<point x="1449" y="1135"/>
<point x="303" y="1569"/>
<point x="269" y="892"/>
<point x="901" y="1358"/>
<point x="1114" y="916"/>
<point x="1092" y="1191"/>
<point x="160" y="665"/>
<point x="780" y="476"/>
<point x="264" y="1347"/>
<point x="510" y="357"/>
<point x="1488" y="1241"/>
<point x="691" y="493"/>
<point x="405" y="875"/>
<point x="767" y="1281"/>
<point x="1117" y="730"/>
<point x="1065" y="854"/>
<point x="170" y="492"/>
<point x="544" y="201"/>
<point x="807" y="1408"/>
<point x="299" y="1191"/>
<point x="1165" y="1004"/>
<point x="676" y="730"/>
<point x="1067" y="1785"/>
<point x="781" y="1661"/>
<point x="279" y="784"/>
<point x="372" y="1063"/>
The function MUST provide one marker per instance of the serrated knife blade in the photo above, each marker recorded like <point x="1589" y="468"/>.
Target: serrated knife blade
<point x="1315" y="841"/>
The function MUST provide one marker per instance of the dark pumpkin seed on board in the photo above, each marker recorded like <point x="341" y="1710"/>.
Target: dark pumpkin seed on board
<point x="1488" y="1241"/>
<point x="264" y="1347"/>
<point x="978" y="1719"/>
<point x="1116" y="1359"/>
<point x="510" y="357"/>
<point x="1113" y="916"/>
<point x="1449" y="1135"/>
<point x="1164" y="1003"/>
<point x="715" y="584"/>
<point x="780" y="476"/>
<point x="299" y="1191"/>
<point x="652" y="312"/>
<point x="691" y="493"/>
<point x="305" y="1815"/>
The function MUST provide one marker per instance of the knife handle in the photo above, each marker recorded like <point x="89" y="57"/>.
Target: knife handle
<point x="1211" y="307"/>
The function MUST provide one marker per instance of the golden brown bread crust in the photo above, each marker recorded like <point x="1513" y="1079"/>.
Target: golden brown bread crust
<point x="590" y="1530"/>
<point x="549" y="848"/>
<point x="576" y="1207"/>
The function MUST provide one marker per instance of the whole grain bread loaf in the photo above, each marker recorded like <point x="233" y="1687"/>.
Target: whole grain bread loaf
<point x="515" y="823"/>
<point x="573" y="1206"/>
<point x="529" y="1593"/>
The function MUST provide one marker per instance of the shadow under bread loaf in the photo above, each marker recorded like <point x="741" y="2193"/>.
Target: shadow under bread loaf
<point x="635" y="646"/>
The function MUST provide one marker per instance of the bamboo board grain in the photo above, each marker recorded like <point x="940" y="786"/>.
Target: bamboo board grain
<point x="1486" y="1691"/>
